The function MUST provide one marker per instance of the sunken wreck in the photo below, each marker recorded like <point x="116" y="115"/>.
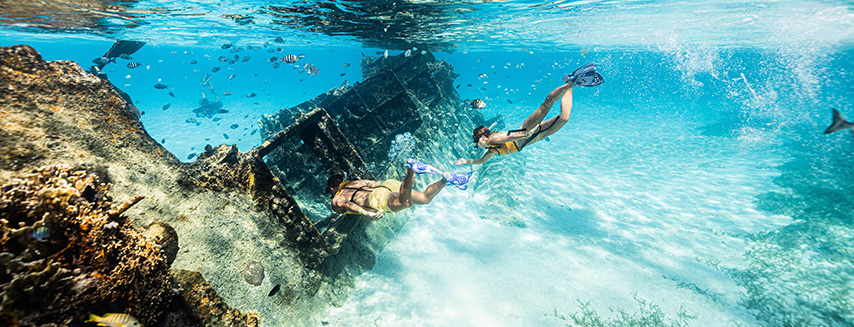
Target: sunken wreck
<point x="101" y="217"/>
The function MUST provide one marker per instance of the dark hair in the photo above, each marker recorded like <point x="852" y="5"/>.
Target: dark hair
<point x="480" y="131"/>
<point x="333" y="182"/>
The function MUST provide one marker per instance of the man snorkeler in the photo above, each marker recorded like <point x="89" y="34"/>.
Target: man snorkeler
<point x="534" y="128"/>
<point x="374" y="198"/>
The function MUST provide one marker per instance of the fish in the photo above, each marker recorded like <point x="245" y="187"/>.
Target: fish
<point x="313" y="71"/>
<point x="191" y="156"/>
<point x="468" y="85"/>
<point x="478" y="104"/>
<point x="171" y="94"/>
<point x="279" y="39"/>
<point x="115" y="320"/>
<point x="103" y="61"/>
<point x="225" y="136"/>
<point x="125" y="56"/>
<point x="227" y="93"/>
<point x="423" y="52"/>
<point x="132" y="65"/>
<point x="274" y="290"/>
<point x="290" y="59"/>
<point x="345" y="65"/>
<point x="160" y="86"/>
<point x="458" y="86"/>
<point x="509" y="101"/>
<point x="193" y="62"/>
<point x="408" y="53"/>
<point x="251" y="95"/>
<point x="482" y="75"/>
<point x="232" y="76"/>
<point x="276" y="65"/>
<point x="234" y="126"/>
<point x="216" y="119"/>
<point x="166" y="106"/>
<point x="245" y="59"/>
<point x="214" y="70"/>
<point x="342" y="74"/>
<point x="192" y="121"/>
<point x="839" y="124"/>
<point x="253" y="132"/>
<point x="273" y="59"/>
<point x="222" y="58"/>
<point x="226" y="46"/>
<point x="40" y="234"/>
<point x="385" y="54"/>
<point x="174" y="53"/>
<point x="231" y="61"/>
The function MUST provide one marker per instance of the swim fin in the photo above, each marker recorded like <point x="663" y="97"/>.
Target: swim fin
<point x="421" y="168"/>
<point x="459" y="180"/>
<point x="585" y="76"/>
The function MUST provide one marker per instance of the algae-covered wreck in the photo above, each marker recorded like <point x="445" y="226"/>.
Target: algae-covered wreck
<point x="70" y="145"/>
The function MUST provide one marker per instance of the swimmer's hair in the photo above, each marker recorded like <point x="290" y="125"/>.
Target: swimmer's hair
<point x="333" y="181"/>
<point x="480" y="131"/>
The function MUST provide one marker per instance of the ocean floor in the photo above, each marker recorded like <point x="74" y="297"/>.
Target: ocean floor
<point x="618" y="211"/>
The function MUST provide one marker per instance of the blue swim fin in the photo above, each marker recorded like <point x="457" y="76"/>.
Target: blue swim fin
<point x="421" y="168"/>
<point x="459" y="180"/>
<point x="585" y="76"/>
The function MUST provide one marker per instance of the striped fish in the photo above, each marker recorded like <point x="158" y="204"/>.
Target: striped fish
<point x="133" y="64"/>
<point x="290" y="59"/>
<point x="40" y="234"/>
<point x="478" y="104"/>
<point x="115" y="320"/>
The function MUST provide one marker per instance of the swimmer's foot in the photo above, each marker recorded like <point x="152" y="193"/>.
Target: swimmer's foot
<point x="584" y="76"/>
<point x="459" y="180"/>
<point x="421" y="168"/>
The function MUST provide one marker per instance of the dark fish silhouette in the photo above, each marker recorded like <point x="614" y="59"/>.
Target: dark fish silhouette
<point x="166" y="106"/>
<point x="222" y="58"/>
<point x="132" y="65"/>
<point x="279" y="39"/>
<point x="191" y="156"/>
<point x="251" y="95"/>
<point x="274" y="290"/>
<point x="214" y="70"/>
<point x="234" y="126"/>
<point x="225" y="136"/>
<point x="171" y="94"/>
<point x="245" y="59"/>
<point x="102" y="61"/>
<point x="125" y="56"/>
<point x="839" y="124"/>
<point x="160" y="86"/>
<point x="193" y="62"/>
<point x="232" y="76"/>
<point x="226" y="46"/>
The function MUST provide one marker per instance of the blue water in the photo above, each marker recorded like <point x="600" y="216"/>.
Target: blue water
<point x="696" y="179"/>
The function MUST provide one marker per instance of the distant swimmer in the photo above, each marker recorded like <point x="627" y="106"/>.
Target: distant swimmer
<point x="839" y="124"/>
<point x="534" y="128"/>
<point x="374" y="198"/>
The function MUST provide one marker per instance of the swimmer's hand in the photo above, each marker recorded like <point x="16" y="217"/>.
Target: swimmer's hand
<point x="375" y="215"/>
<point x="461" y="161"/>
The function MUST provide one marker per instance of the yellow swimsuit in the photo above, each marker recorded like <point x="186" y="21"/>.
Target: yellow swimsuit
<point x="506" y="148"/>
<point x="378" y="199"/>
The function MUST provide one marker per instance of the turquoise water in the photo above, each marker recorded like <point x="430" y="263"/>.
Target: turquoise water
<point x="695" y="185"/>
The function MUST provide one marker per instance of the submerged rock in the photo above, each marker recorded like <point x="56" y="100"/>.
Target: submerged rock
<point x="253" y="273"/>
<point x="166" y="237"/>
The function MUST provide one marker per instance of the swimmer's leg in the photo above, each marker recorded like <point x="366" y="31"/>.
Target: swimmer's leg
<point x="429" y="193"/>
<point x="551" y="126"/>
<point x="540" y="114"/>
<point x="401" y="200"/>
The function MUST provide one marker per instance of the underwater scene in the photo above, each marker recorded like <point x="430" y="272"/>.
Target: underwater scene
<point x="427" y="163"/>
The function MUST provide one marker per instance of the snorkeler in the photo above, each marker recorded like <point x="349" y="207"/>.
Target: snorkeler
<point x="534" y="128"/>
<point x="374" y="198"/>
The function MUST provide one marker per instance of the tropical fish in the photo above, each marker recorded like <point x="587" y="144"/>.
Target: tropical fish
<point x="234" y="126"/>
<point x="171" y="94"/>
<point x="345" y="65"/>
<point x="166" y="106"/>
<point x="232" y="76"/>
<point x="290" y="59"/>
<point x="40" y="234"/>
<point x="104" y="61"/>
<point x="251" y="95"/>
<point x="385" y="54"/>
<point x="191" y="156"/>
<point x="231" y="61"/>
<point x="193" y="62"/>
<point x="132" y="65"/>
<point x="276" y="65"/>
<point x="478" y="104"/>
<point x="214" y="70"/>
<point x="407" y="53"/>
<point x="225" y="136"/>
<point x="227" y="93"/>
<point x="115" y="320"/>
<point x="222" y="58"/>
<point x="342" y="74"/>
<point x="245" y="59"/>
<point x="160" y="86"/>
<point x="125" y="56"/>
<point x="509" y="101"/>
<point x="273" y="59"/>
<point x="313" y="71"/>
<point x="226" y="46"/>
<point x="279" y="39"/>
<point x="423" y="52"/>
<point x="839" y="124"/>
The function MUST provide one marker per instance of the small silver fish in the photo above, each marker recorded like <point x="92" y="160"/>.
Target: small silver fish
<point x="232" y="76"/>
<point x="423" y="52"/>
<point x="408" y="53"/>
<point x="41" y="233"/>
<point x="313" y="71"/>
<point x="132" y="65"/>
<point x="385" y="54"/>
<point x="345" y="65"/>
<point x="227" y="93"/>
<point x="245" y="59"/>
<point x="222" y="58"/>
<point x="115" y="320"/>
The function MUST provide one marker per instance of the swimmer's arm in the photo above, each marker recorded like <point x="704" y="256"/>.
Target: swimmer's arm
<point x="352" y="206"/>
<point x="488" y="155"/>
<point x="373" y="184"/>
